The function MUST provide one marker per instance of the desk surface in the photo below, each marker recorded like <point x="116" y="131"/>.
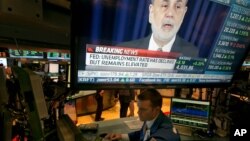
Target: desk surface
<point x="120" y="126"/>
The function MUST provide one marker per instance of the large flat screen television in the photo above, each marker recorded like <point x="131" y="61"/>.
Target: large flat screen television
<point x="113" y="46"/>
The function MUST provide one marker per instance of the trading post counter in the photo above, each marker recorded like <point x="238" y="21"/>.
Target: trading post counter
<point x="129" y="124"/>
<point x="86" y="103"/>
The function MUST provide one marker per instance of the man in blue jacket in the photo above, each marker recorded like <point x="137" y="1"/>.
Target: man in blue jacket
<point x="156" y="127"/>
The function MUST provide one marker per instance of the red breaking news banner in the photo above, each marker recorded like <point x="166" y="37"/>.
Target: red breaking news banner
<point x="102" y="49"/>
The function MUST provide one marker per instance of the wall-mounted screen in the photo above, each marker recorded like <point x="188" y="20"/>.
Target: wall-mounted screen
<point x="58" y="55"/>
<point x="15" y="53"/>
<point x="122" y="43"/>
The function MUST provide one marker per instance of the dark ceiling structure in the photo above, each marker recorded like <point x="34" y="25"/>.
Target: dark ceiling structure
<point x="35" y="24"/>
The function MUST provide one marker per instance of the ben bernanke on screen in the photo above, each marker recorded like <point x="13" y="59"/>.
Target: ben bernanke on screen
<point x="165" y="17"/>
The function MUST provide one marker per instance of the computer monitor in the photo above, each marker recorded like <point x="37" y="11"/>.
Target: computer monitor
<point x="3" y="62"/>
<point x="53" y="68"/>
<point x="190" y="113"/>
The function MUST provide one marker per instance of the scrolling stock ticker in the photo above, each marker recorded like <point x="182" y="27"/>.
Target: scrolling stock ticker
<point x="232" y="42"/>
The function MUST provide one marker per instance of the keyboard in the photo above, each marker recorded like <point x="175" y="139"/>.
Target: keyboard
<point x="184" y="130"/>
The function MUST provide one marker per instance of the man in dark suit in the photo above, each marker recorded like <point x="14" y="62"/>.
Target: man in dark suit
<point x="156" y="127"/>
<point x="165" y="17"/>
<point x="99" y="108"/>
<point x="125" y="97"/>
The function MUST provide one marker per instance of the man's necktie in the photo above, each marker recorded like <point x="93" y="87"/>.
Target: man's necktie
<point x="159" y="49"/>
<point x="146" y="133"/>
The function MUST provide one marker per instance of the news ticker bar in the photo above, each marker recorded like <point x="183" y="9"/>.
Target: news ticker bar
<point x="149" y="77"/>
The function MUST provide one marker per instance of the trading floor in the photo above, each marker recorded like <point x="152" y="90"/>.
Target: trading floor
<point x="113" y="113"/>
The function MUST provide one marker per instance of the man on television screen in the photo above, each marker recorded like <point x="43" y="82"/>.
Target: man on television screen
<point x="165" y="17"/>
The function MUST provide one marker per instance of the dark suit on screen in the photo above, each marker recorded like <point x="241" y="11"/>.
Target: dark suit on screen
<point x="179" y="46"/>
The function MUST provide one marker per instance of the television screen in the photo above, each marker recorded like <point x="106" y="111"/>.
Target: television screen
<point x="119" y="44"/>
<point x="15" y="53"/>
<point x="58" y="55"/>
<point x="191" y="113"/>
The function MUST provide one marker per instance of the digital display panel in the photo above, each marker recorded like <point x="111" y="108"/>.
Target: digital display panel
<point x="25" y="54"/>
<point x="58" y="55"/>
<point x="116" y="42"/>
